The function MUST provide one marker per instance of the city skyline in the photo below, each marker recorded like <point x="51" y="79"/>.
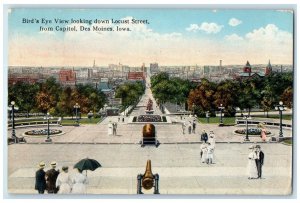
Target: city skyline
<point x="172" y="37"/>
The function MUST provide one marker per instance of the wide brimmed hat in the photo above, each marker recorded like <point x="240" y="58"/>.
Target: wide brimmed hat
<point x="53" y="163"/>
<point x="64" y="168"/>
<point x="42" y="164"/>
<point x="257" y="146"/>
<point x="251" y="147"/>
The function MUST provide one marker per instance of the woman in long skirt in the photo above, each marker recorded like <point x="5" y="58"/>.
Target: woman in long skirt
<point x="251" y="168"/>
<point x="79" y="182"/>
<point x="63" y="181"/>
<point x="263" y="134"/>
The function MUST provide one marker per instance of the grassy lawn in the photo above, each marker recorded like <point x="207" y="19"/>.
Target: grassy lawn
<point x="288" y="141"/>
<point x="214" y="120"/>
<point x="284" y="117"/>
<point x="81" y="121"/>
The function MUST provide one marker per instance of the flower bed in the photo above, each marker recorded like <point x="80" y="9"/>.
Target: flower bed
<point x="43" y="132"/>
<point x="251" y="131"/>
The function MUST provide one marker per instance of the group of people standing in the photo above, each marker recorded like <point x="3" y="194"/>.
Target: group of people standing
<point x="207" y="147"/>
<point x="54" y="181"/>
<point x="255" y="162"/>
<point x="190" y="125"/>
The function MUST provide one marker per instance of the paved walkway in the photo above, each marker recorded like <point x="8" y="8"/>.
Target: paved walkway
<point x="178" y="165"/>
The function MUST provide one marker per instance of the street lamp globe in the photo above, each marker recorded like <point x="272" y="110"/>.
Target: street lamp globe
<point x="12" y="102"/>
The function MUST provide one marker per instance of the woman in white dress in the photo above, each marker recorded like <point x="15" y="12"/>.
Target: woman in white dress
<point x="79" y="182"/>
<point x="204" y="154"/>
<point x="251" y="168"/>
<point x="110" y="128"/>
<point x="210" y="153"/>
<point x="63" y="181"/>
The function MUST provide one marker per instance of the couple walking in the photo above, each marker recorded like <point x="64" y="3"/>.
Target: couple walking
<point x="255" y="162"/>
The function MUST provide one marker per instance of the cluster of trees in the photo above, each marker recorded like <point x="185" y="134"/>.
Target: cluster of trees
<point x="264" y="93"/>
<point x="166" y="89"/>
<point x="130" y="93"/>
<point x="256" y="92"/>
<point x="51" y="97"/>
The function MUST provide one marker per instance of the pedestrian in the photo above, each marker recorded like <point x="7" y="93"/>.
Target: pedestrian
<point x="79" y="182"/>
<point x="40" y="179"/>
<point x="63" y="181"/>
<point x="118" y="119"/>
<point x="210" y="153"/>
<point x="204" y="153"/>
<point x="204" y="136"/>
<point x="51" y="176"/>
<point x="263" y="135"/>
<point x="114" y="128"/>
<point x="259" y="160"/>
<point x="123" y="119"/>
<point x="190" y="127"/>
<point x="194" y="126"/>
<point x="183" y="127"/>
<point x="211" y="139"/>
<point x="110" y="128"/>
<point x="202" y="146"/>
<point x="251" y="167"/>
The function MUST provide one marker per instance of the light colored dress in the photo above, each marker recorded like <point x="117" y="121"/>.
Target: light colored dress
<point x="204" y="155"/>
<point x="210" y="152"/>
<point x="263" y="134"/>
<point x="110" y="129"/>
<point x="211" y="140"/>
<point x="79" y="182"/>
<point x="251" y="168"/>
<point x="64" y="183"/>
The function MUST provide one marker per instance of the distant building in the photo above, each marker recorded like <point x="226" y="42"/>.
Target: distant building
<point x="248" y="73"/>
<point x="268" y="69"/>
<point x="14" y="80"/>
<point x="140" y="76"/>
<point x="67" y="77"/>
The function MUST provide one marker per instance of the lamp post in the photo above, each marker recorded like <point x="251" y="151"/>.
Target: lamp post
<point x="12" y="107"/>
<point x="76" y="107"/>
<point x="221" y="118"/>
<point x="247" y="136"/>
<point x="48" y="117"/>
<point x="280" y="108"/>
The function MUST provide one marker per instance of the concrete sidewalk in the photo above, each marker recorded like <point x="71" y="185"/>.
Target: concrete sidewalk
<point x="178" y="166"/>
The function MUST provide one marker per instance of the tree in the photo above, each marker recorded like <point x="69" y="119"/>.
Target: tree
<point x="24" y="95"/>
<point x="287" y="97"/>
<point x="226" y="94"/>
<point x="202" y="97"/>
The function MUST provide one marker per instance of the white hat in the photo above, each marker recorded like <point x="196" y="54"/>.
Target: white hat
<point x="42" y="164"/>
<point x="251" y="147"/>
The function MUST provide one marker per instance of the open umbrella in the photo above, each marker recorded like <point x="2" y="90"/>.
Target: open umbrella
<point x="87" y="164"/>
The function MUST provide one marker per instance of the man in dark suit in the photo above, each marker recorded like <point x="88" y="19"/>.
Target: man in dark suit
<point x="40" y="181"/>
<point x="204" y="136"/>
<point x="259" y="160"/>
<point x="51" y="176"/>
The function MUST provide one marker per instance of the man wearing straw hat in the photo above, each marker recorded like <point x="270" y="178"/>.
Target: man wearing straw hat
<point x="51" y="176"/>
<point x="40" y="180"/>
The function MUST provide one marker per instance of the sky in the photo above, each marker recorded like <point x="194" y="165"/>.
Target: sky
<point x="171" y="37"/>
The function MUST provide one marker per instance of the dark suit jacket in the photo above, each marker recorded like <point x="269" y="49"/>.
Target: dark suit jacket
<point x="261" y="158"/>
<point x="40" y="181"/>
<point x="51" y="176"/>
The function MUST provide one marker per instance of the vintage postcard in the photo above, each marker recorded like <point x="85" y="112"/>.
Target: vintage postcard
<point x="139" y="101"/>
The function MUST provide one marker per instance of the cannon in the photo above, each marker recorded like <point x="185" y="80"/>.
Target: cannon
<point x="148" y="180"/>
<point x="149" y="135"/>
